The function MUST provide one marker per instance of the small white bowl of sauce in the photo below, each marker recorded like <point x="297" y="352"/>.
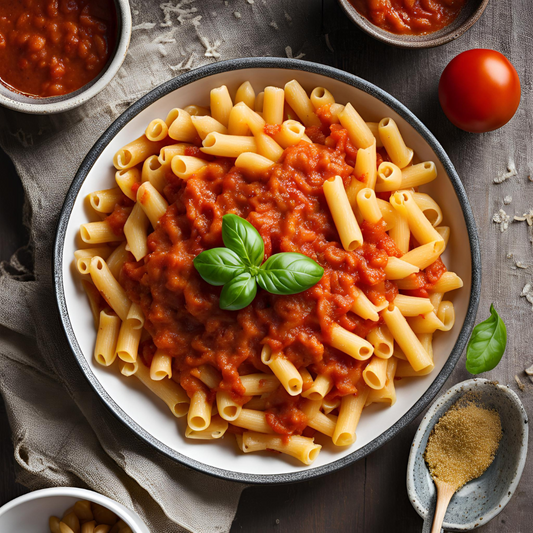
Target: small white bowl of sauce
<point x="54" y="56"/>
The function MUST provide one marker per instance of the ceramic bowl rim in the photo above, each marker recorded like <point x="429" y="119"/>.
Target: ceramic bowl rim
<point x="397" y="40"/>
<point x="83" y="494"/>
<point x="415" y="449"/>
<point x="287" y="64"/>
<point x="82" y="95"/>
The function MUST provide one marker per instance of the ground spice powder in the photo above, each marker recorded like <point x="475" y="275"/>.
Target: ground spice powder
<point x="463" y="443"/>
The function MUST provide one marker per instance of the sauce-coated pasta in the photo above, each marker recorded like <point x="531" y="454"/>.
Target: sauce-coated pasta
<point x="285" y="365"/>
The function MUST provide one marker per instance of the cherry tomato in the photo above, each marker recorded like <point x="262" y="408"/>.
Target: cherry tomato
<point x="479" y="90"/>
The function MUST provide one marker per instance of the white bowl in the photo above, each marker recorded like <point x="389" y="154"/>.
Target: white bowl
<point x="146" y="415"/>
<point x="58" y="104"/>
<point x="30" y="513"/>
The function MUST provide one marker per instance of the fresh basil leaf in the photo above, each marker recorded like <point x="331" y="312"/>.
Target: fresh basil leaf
<point x="289" y="273"/>
<point x="487" y="344"/>
<point x="241" y="237"/>
<point x="238" y="293"/>
<point x="218" y="265"/>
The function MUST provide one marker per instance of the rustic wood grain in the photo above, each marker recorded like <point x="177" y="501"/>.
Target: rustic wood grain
<point x="370" y="496"/>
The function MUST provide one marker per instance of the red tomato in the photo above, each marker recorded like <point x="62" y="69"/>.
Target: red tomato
<point x="479" y="90"/>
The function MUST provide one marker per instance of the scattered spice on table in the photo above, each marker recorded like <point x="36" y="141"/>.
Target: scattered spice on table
<point x="464" y="442"/>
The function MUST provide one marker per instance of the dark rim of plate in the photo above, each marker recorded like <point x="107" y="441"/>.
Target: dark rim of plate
<point x="288" y="64"/>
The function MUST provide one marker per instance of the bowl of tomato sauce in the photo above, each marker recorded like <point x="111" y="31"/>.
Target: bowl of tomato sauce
<point x="414" y="23"/>
<point x="57" y="54"/>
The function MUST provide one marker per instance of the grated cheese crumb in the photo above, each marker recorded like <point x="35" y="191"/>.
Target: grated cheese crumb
<point x="144" y="26"/>
<point x="501" y="218"/>
<point x="529" y="371"/>
<point x="274" y="25"/>
<point x="521" y="386"/>
<point x="519" y="264"/>
<point x="530" y="177"/>
<point x="211" y="50"/>
<point x="237" y="15"/>
<point x="529" y="217"/>
<point x="288" y="18"/>
<point x="166" y="38"/>
<point x="507" y="200"/>
<point x="183" y="66"/>
<point x="527" y="293"/>
<point x="251" y="2"/>
<point x="511" y="171"/>
<point x="520" y="219"/>
<point x="288" y="51"/>
<point x="183" y="9"/>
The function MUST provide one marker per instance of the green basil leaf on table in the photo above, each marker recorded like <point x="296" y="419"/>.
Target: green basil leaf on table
<point x="241" y="237"/>
<point x="487" y="344"/>
<point x="218" y="265"/>
<point x="289" y="273"/>
<point x="238" y="293"/>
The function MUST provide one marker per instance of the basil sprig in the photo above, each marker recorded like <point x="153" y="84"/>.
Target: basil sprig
<point x="487" y="344"/>
<point x="241" y="237"/>
<point x="289" y="273"/>
<point x="218" y="265"/>
<point x="238" y="292"/>
<point x="238" y="266"/>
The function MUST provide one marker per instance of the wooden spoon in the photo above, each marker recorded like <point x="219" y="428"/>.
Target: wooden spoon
<point x="445" y="491"/>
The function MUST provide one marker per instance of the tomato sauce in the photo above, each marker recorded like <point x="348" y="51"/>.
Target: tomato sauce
<point x="117" y="218"/>
<point x="195" y="151"/>
<point x="426" y="279"/>
<point x="272" y="129"/>
<point x="376" y="234"/>
<point x="286" y="204"/>
<point x="54" y="47"/>
<point x="410" y="17"/>
<point x="284" y="414"/>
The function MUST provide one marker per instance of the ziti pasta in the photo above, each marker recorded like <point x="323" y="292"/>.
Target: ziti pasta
<point x="286" y="371"/>
<point x="88" y="517"/>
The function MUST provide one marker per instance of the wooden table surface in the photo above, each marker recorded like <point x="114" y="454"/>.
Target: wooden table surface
<point x="370" y="495"/>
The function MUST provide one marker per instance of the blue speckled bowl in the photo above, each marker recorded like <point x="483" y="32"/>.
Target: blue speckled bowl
<point x="483" y="498"/>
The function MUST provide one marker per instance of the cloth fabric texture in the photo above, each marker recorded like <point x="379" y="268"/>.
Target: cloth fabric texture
<point x="63" y="434"/>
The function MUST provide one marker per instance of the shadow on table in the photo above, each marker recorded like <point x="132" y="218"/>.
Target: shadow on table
<point x="358" y="498"/>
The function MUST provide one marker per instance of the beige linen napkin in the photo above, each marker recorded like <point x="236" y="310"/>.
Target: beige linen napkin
<point x="62" y="433"/>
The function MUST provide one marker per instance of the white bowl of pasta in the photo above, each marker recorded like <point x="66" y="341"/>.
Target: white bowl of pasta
<point x="66" y="509"/>
<point x="322" y="352"/>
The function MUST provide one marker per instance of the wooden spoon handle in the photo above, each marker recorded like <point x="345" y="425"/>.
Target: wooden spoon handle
<point x="444" y="495"/>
